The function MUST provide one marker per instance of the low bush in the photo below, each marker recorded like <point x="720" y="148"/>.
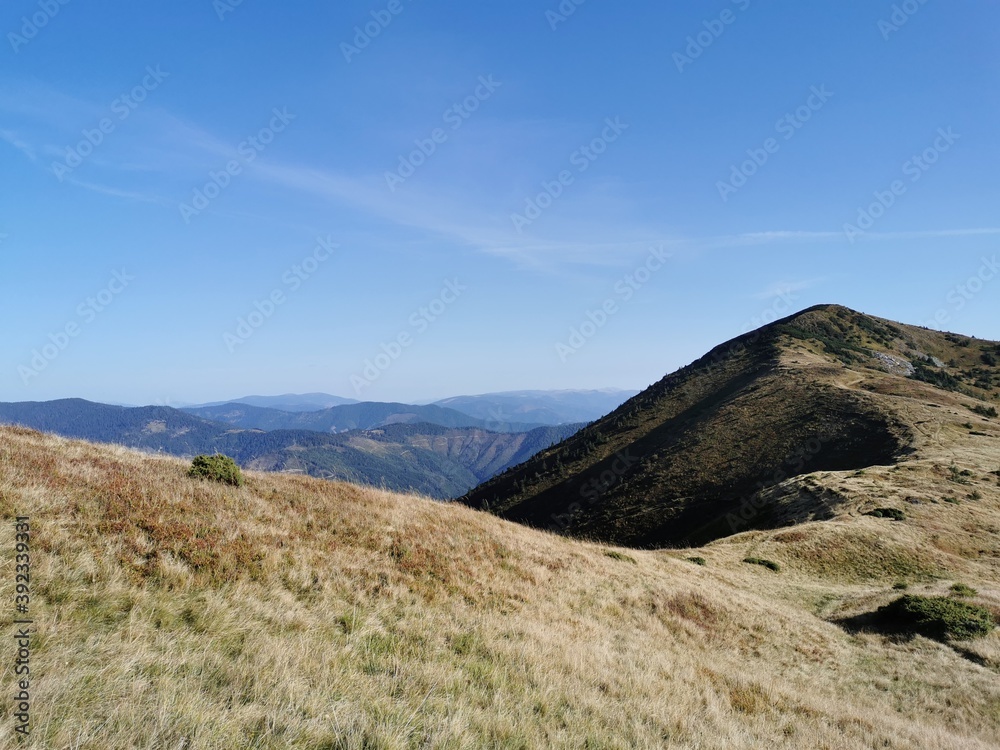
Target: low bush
<point x="620" y="557"/>
<point x="697" y="560"/>
<point x="937" y="617"/>
<point x="960" y="589"/>
<point x="769" y="564"/>
<point x="959" y="476"/>
<point x="217" y="468"/>
<point x="893" y="513"/>
<point x="985" y="411"/>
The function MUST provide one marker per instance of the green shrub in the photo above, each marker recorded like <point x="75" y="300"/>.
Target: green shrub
<point x="697" y="560"/>
<point x="959" y="476"/>
<point x="960" y="589"/>
<point x="985" y="411"/>
<point x="769" y="564"/>
<point x="620" y="557"/>
<point x="893" y="513"/>
<point x="937" y="617"/>
<point x="901" y="586"/>
<point x="217" y="468"/>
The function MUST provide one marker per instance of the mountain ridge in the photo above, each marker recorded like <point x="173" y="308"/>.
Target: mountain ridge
<point x="675" y="464"/>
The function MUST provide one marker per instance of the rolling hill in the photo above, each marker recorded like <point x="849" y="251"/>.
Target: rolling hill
<point x="437" y="461"/>
<point x="701" y="454"/>
<point x="170" y="612"/>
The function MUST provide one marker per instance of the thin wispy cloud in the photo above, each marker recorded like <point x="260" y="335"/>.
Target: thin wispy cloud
<point x="783" y="288"/>
<point x="592" y="226"/>
<point x="9" y="136"/>
<point x="128" y="195"/>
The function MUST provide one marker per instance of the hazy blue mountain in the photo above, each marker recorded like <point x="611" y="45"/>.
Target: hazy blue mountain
<point x="541" y="407"/>
<point x="363" y="416"/>
<point x="439" y="461"/>
<point x="287" y="402"/>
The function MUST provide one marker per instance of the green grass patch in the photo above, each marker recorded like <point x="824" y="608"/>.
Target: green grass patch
<point x="937" y="617"/>
<point x="697" y="560"/>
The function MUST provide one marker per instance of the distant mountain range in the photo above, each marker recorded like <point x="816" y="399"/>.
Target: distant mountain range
<point x="288" y="402"/>
<point x="542" y="407"/>
<point x="507" y="412"/>
<point x="364" y="416"/>
<point x="442" y="461"/>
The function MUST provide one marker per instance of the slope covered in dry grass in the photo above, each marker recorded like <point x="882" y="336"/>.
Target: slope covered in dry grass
<point x="293" y="612"/>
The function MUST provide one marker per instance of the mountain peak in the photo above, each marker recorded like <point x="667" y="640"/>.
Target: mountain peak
<point x="827" y="389"/>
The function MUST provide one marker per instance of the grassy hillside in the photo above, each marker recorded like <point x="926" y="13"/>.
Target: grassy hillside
<point x="172" y="613"/>
<point x="687" y="460"/>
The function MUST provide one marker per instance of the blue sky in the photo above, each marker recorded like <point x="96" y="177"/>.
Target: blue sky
<point x="410" y="200"/>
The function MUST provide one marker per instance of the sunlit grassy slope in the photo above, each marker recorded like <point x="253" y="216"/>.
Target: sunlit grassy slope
<point x="295" y="613"/>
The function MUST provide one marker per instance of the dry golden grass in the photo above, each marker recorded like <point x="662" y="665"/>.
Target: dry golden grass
<point x="294" y="613"/>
